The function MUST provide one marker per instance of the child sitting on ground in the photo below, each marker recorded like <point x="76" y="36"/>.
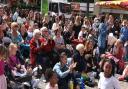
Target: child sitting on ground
<point x="107" y="79"/>
<point x="52" y="79"/>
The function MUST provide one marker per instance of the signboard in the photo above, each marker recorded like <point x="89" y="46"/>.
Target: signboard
<point x="65" y="8"/>
<point x="75" y="6"/>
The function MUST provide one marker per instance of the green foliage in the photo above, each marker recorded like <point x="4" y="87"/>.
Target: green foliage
<point x="24" y="6"/>
<point x="44" y="7"/>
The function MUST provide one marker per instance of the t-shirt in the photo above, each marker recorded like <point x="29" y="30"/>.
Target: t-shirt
<point x="58" y="41"/>
<point x="1" y="67"/>
<point x="108" y="83"/>
<point x="20" y="20"/>
<point x="17" y="39"/>
<point x="111" y="39"/>
<point x="55" y="26"/>
<point x="48" y="86"/>
<point x="80" y="35"/>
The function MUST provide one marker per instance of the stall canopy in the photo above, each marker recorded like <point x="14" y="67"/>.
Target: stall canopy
<point x="119" y="4"/>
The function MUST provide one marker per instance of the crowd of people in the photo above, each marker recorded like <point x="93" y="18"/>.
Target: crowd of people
<point x="63" y="53"/>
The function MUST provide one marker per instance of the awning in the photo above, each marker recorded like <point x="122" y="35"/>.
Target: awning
<point x="122" y="4"/>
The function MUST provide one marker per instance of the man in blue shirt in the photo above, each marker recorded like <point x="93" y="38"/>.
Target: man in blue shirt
<point x="64" y="69"/>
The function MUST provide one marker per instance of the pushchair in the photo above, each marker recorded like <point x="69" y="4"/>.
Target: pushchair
<point x="17" y="82"/>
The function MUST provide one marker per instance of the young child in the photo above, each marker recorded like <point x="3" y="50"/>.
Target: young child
<point x="107" y="79"/>
<point x="52" y="79"/>
<point x="14" y="63"/>
<point x="3" y="55"/>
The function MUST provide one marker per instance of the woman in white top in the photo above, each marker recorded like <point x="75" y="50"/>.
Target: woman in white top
<point x="59" y="41"/>
<point x="107" y="79"/>
<point x="83" y="33"/>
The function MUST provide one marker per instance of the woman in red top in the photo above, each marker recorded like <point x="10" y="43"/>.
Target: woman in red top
<point x="48" y="48"/>
<point x="40" y="47"/>
<point x="35" y="46"/>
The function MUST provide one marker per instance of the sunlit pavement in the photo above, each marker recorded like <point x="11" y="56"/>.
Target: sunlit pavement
<point x="123" y="84"/>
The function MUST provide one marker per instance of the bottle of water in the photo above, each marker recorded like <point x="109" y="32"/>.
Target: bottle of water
<point x="71" y="84"/>
<point x="82" y="85"/>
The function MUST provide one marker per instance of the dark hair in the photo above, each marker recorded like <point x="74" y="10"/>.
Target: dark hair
<point x="112" y="62"/>
<point x="102" y="19"/>
<point x="48" y="74"/>
<point x="63" y="54"/>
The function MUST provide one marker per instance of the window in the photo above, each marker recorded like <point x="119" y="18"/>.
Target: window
<point x="53" y="7"/>
<point x="65" y="8"/>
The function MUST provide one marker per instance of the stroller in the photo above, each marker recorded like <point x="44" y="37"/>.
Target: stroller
<point x="17" y="82"/>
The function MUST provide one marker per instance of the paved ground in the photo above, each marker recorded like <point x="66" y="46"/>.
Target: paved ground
<point x="123" y="84"/>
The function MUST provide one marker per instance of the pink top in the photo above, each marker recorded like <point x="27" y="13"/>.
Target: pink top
<point x="48" y="86"/>
<point x="1" y="67"/>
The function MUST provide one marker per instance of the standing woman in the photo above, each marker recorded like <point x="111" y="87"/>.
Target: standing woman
<point x="3" y="55"/>
<point x="102" y="35"/>
<point x="77" y="26"/>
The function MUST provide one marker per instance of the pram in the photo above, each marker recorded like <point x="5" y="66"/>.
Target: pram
<point x="17" y="82"/>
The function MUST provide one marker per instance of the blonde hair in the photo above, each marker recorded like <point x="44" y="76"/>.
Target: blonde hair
<point x="118" y="42"/>
<point x="3" y="52"/>
<point x="12" y="45"/>
<point x="77" y="20"/>
<point x="45" y="19"/>
<point x="124" y="22"/>
<point x="44" y="29"/>
<point x="13" y="24"/>
<point x="79" y="47"/>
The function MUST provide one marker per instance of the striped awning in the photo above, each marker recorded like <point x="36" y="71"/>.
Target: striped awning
<point x="121" y="4"/>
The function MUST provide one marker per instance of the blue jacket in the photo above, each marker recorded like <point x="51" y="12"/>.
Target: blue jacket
<point x="124" y="34"/>
<point x="102" y="35"/>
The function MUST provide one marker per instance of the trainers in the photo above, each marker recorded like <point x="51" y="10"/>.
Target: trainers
<point x="121" y="78"/>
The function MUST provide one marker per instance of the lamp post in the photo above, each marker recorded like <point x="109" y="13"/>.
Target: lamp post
<point x="41" y="7"/>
